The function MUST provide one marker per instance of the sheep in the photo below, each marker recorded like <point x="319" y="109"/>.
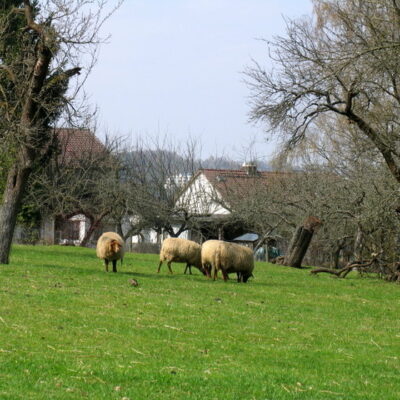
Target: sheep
<point x="229" y="258"/>
<point x="110" y="247"/>
<point x="180" y="250"/>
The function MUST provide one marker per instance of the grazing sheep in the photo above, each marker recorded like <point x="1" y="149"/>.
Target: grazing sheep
<point x="229" y="258"/>
<point x="182" y="251"/>
<point x="110" y="247"/>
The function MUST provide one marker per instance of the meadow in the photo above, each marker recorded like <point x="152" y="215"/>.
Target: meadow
<point x="69" y="330"/>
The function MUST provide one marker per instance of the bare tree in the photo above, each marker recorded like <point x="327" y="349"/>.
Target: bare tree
<point x="257" y="204"/>
<point x="331" y="177"/>
<point x="345" y="182"/>
<point x="155" y="171"/>
<point x="342" y="62"/>
<point x="80" y="179"/>
<point x="134" y="188"/>
<point x="41" y="50"/>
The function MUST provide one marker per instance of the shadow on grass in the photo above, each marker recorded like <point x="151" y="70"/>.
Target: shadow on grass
<point x="101" y="271"/>
<point x="198" y="278"/>
<point x="158" y="276"/>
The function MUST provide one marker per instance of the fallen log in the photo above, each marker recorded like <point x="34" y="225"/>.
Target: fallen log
<point x="336" y="272"/>
<point x="343" y="272"/>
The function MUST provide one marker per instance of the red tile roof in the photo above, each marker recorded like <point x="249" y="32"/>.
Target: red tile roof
<point x="78" y="143"/>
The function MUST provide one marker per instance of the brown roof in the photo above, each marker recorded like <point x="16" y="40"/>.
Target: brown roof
<point x="78" y="143"/>
<point x="240" y="182"/>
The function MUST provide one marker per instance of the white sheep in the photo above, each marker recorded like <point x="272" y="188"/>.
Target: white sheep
<point x="110" y="247"/>
<point x="229" y="258"/>
<point x="181" y="251"/>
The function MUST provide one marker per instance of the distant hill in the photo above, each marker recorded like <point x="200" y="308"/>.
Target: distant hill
<point x="157" y="165"/>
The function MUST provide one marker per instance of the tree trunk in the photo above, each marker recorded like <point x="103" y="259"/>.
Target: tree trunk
<point x="358" y="244"/>
<point x="13" y="193"/>
<point x="336" y="254"/>
<point x="169" y="228"/>
<point x="120" y="230"/>
<point x="88" y="234"/>
<point x="336" y="257"/>
<point x="94" y="224"/>
<point x="32" y="145"/>
<point x="301" y="241"/>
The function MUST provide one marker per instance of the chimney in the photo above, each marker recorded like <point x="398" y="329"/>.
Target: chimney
<point x="250" y="168"/>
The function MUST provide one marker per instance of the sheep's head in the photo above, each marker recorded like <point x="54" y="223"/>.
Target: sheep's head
<point x="244" y="277"/>
<point x="200" y="266"/>
<point x="115" y="246"/>
<point x="202" y="270"/>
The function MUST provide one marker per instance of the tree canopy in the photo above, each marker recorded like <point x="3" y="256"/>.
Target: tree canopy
<point x="42" y="46"/>
<point x="343" y="61"/>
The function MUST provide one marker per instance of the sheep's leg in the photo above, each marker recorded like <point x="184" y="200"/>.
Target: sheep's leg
<point x="114" y="262"/>
<point x="215" y="272"/>
<point x="188" y="267"/>
<point x="159" y="266"/>
<point x="224" y="275"/>
<point x="106" y="264"/>
<point x="206" y="270"/>
<point x="169" y="267"/>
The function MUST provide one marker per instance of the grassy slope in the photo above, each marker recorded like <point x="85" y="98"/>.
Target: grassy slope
<point x="68" y="330"/>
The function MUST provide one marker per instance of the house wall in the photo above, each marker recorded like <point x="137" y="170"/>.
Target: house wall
<point x="83" y="225"/>
<point x="151" y="236"/>
<point x="147" y="236"/>
<point x="201" y="198"/>
<point x="69" y="232"/>
<point x="147" y="242"/>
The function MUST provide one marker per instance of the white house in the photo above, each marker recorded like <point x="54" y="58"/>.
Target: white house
<point x="206" y="197"/>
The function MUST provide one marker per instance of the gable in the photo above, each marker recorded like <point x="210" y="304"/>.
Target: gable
<point x="211" y="191"/>
<point x="201" y="197"/>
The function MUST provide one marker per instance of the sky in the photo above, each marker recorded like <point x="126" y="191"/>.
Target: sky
<point x="175" y="68"/>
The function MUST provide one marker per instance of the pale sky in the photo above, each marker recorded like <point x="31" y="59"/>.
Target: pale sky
<point x="176" y="67"/>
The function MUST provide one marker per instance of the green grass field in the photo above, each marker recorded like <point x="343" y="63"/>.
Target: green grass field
<point x="69" y="330"/>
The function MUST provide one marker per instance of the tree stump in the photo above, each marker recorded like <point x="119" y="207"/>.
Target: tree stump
<point x="301" y="241"/>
